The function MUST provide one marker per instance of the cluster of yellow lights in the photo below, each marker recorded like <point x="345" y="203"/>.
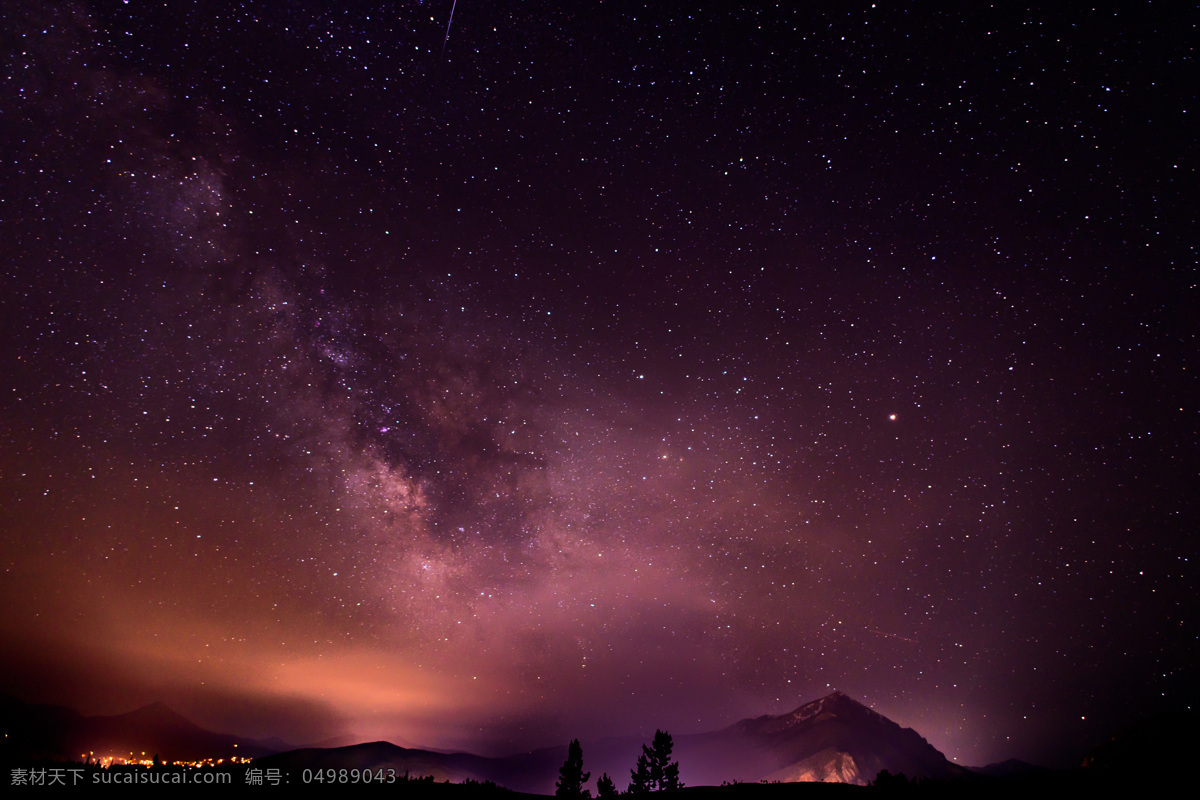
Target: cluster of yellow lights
<point x="143" y="761"/>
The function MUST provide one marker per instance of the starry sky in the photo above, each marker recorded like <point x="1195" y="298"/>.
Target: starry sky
<point x="576" y="369"/>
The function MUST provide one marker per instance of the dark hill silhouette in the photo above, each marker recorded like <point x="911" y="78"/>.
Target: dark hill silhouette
<point x="57" y="733"/>
<point x="834" y="739"/>
<point x="1153" y="751"/>
<point x="526" y="772"/>
<point x="1012" y="768"/>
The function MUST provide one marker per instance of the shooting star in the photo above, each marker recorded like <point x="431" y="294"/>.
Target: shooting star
<point x="448" y="24"/>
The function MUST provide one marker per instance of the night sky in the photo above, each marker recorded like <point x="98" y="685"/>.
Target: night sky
<point x="601" y="367"/>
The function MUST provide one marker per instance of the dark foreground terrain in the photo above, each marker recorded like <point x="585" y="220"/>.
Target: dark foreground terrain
<point x="90" y="780"/>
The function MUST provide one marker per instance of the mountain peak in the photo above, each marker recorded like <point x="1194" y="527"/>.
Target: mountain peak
<point x="838" y="696"/>
<point x="836" y="703"/>
<point x="836" y="738"/>
<point x="157" y="712"/>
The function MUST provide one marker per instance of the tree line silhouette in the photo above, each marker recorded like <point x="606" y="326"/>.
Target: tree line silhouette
<point x="654" y="772"/>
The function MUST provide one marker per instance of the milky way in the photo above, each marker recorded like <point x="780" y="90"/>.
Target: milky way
<point x="600" y="369"/>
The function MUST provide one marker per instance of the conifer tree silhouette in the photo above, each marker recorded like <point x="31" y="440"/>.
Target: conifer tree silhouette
<point x="639" y="776"/>
<point x="605" y="788"/>
<point x="571" y="776"/>
<point x="655" y="770"/>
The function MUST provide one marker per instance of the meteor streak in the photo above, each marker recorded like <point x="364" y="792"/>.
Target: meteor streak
<point x="449" y="22"/>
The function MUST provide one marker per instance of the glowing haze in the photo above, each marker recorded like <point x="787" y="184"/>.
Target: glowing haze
<point x="625" y="367"/>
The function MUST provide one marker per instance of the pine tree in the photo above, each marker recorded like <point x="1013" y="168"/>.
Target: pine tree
<point x="655" y="770"/>
<point x="670" y="781"/>
<point x="605" y="788"/>
<point x="571" y="776"/>
<point x="662" y="769"/>
<point x="639" y="777"/>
